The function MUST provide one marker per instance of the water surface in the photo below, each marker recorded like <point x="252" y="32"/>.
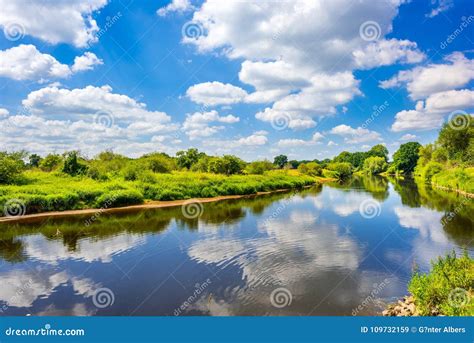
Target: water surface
<point x="339" y="249"/>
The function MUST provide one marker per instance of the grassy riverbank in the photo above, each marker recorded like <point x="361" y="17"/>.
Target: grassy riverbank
<point x="447" y="290"/>
<point x="42" y="191"/>
<point x="456" y="179"/>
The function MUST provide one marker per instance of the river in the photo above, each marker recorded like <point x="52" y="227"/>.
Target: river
<point x="337" y="249"/>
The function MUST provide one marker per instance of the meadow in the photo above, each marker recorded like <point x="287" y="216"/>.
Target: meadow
<point x="42" y="191"/>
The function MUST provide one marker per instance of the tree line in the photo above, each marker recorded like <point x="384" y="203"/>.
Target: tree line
<point x="453" y="148"/>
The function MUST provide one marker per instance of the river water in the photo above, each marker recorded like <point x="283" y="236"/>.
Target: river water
<point x="336" y="249"/>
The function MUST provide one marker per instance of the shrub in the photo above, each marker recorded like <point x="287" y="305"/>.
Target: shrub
<point x="430" y="169"/>
<point x="440" y="155"/>
<point x="375" y="165"/>
<point x="50" y="162"/>
<point x="259" y="167"/>
<point x="447" y="289"/>
<point x="146" y="176"/>
<point x="341" y="169"/>
<point x="120" y="198"/>
<point x="202" y="165"/>
<point x="227" y="165"/>
<point x="160" y="164"/>
<point x="96" y="174"/>
<point x="72" y="166"/>
<point x="11" y="166"/>
<point x="131" y="172"/>
<point x="310" y="168"/>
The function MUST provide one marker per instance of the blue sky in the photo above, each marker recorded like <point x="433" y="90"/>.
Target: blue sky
<point x="253" y="78"/>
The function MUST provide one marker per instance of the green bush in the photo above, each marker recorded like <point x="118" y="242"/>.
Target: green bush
<point x="259" y="167"/>
<point x="375" y="165"/>
<point x="440" y="155"/>
<point x="72" y="166"/>
<point x="430" y="169"/>
<point x="227" y="165"/>
<point x="341" y="169"/>
<point x="160" y="164"/>
<point x="310" y="168"/>
<point x="11" y="166"/>
<point x="50" y="162"/>
<point x="120" y="198"/>
<point x="131" y="172"/>
<point x="448" y="289"/>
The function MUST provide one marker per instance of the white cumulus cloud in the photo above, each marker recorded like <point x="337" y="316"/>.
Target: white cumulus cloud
<point x="25" y="62"/>
<point x="54" y="22"/>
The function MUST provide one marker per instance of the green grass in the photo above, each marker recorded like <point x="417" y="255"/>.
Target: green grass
<point x="41" y="191"/>
<point x="455" y="179"/>
<point x="448" y="289"/>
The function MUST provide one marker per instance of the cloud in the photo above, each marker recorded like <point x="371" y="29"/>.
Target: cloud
<point x="54" y="22"/>
<point x="179" y="6"/>
<point x="86" y="62"/>
<point x="4" y="112"/>
<point x="421" y="82"/>
<point x="25" y="62"/>
<point x="331" y="143"/>
<point x="304" y="82"/>
<point x="215" y="93"/>
<point x="85" y="103"/>
<point x="429" y="114"/>
<point x="407" y="137"/>
<point x="442" y="6"/>
<point x="292" y="143"/>
<point x="354" y="136"/>
<point x="255" y="139"/>
<point x="90" y="119"/>
<point x="272" y="80"/>
<point x="258" y="138"/>
<point x="197" y="124"/>
<point x="387" y="52"/>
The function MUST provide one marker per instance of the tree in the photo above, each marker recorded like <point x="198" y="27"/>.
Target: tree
<point x="228" y="165"/>
<point x="294" y="164"/>
<point x="280" y="161"/>
<point x="456" y="136"/>
<point x="34" y="160"/>
<point x="341" y="169"/>
<point x="379" y="150"/>
<point x="375" y="165"/>
<point x="186" y="159"/>
<point x="72" y="166"/>
<point x="259" y="167"/>
<point x="11" y="166"/>
<point x="50" y="162"/>
<point x="310" y="168"/>
<point x="406" y="157"/>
